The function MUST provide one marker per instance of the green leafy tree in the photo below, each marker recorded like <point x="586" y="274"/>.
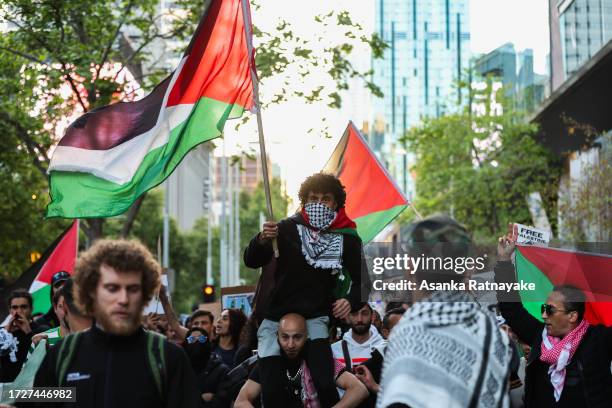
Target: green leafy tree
<point x="480" y="164"/>
<point x="251" y="206"/>
<point x="59" y="59"/>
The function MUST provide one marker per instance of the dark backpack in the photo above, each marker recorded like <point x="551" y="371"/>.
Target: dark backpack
<point x="155" y="358"/>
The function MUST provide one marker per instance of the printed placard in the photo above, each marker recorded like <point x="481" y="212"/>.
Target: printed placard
<point x="527" y="235"/>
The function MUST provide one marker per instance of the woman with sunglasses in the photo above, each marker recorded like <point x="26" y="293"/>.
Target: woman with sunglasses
<point x="209" y="369"/>
<point x="569" y="362"/>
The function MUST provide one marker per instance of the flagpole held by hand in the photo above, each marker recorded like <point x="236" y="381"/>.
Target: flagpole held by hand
<point x="262" y="143"/>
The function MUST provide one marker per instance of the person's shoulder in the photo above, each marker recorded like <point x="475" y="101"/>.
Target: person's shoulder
<point x="337" y="344"/>
<point x="291" y="221"/>
<point x="337" y="348"/>
<point x="599" y="330"/>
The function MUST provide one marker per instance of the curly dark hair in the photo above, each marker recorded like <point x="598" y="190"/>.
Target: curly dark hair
<point x="237" y="320"/>
<point x="121" y="255"/>
<point x="323" y="183"/>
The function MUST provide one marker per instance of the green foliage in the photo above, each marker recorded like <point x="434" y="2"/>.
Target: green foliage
<point x="59" y="59"/>
<point x="188" y="249"/>
<point x="481" y="166"/>
<point x="251" y="206"/>
<point x="586" y="207"/>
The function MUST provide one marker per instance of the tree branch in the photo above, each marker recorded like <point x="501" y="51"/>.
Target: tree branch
<point x="131" y="216"/>
<point x="109" y="46"/>
<point x="46" y="46"/>
<point x="30" y="144"/>
<point x="75" y="90"/>
<point x="24" y="55"/>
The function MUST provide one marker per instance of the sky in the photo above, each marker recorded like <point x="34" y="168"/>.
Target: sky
<point x="286" y="126"/>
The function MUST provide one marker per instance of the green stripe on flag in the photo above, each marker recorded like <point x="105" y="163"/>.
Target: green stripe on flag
<point x="528" y="272"/>
<point x="83" y="195"/>
<point x="368" y="226"/>
<point x="41" y="299"/>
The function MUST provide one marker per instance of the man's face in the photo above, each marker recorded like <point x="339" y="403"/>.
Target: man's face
<point x="324" y="198"/>
<point x="361" y="320"/>
<point x="292" y="337"/>
<point x="202" y="322"/>
<point x="118" y="300"/>
<point x="559" y="322"/>
<point x="22" y="307"/>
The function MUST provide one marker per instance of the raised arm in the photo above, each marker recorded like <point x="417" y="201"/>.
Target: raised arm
<point x="259" y="251"/>
<point x="354" y="391"/>
<point x="518" y="318"/>
<point x="248" y="394"/>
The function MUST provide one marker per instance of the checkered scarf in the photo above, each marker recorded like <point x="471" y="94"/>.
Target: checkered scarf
<point x="310" y="397"/>
<point x="446" y="351"/>
<point x="321" y="248"/>
<point x="559" y="352"/>
<point x="8" y="345"/>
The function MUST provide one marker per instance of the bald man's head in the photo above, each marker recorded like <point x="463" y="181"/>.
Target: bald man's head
<point x="292" y="334"/>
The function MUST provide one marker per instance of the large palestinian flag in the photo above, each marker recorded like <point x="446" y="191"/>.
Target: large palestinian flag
<point x="547" y="267"/>
<point x="59" y="256"/>
<point x="111" y="155"/>
<point x="372" y="198"/>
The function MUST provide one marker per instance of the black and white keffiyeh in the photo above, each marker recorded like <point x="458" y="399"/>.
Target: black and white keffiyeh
<point x="320" y="248"/>
<point x="446" y="352"/>
<point x="8" y="344"/>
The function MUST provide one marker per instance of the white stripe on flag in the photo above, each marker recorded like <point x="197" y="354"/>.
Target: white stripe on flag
<point x="36" y="285"/>
<point x="120" y="163"/>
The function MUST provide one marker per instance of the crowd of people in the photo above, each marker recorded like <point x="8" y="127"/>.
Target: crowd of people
<point x="310" y="341"/>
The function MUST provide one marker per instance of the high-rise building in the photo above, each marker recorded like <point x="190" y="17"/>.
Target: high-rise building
<point x="515" y="71"/>
<point x="579" y="28"/>
<point x="429" y="51"/>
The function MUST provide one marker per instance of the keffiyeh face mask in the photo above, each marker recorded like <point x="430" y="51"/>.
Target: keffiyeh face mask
<point x="320" y="217"/>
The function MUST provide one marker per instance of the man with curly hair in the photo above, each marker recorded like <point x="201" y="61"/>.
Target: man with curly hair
<point x="116" y="362"/>
<point x="316" y="246"/>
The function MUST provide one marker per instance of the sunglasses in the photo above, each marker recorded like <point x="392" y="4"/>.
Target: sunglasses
<point x="192" y="339"/>
<point x="551" y="310"/>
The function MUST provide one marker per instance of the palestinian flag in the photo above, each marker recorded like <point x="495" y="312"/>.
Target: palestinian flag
<point x="548" y="267"/>
<point x="59" y="256"/>
<point x="112" y="155"/>
<point x="373" y="199"/>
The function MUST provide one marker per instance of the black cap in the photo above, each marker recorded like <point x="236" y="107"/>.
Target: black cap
<point x="60" y="276"/>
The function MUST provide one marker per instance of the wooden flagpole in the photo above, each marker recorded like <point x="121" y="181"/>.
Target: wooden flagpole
<point x="262" y="143"/>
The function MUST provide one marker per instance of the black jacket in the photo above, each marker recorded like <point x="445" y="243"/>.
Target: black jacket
<point x="49" y="319"/>
<point x="588" y="381"/>
<point x="299" y="287"/>
<point x="10" y="370"/>
<point x="112" y="371"/>
<point x="209" y="381"/>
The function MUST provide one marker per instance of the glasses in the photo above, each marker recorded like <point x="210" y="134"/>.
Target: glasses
<point x="201" y="339"/>
<point x="551" y="310"/>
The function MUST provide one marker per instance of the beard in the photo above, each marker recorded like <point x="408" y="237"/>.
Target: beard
<point x="361" y="329"/>
<point x="295" y="360"/>
<point x="114" y="325"/>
